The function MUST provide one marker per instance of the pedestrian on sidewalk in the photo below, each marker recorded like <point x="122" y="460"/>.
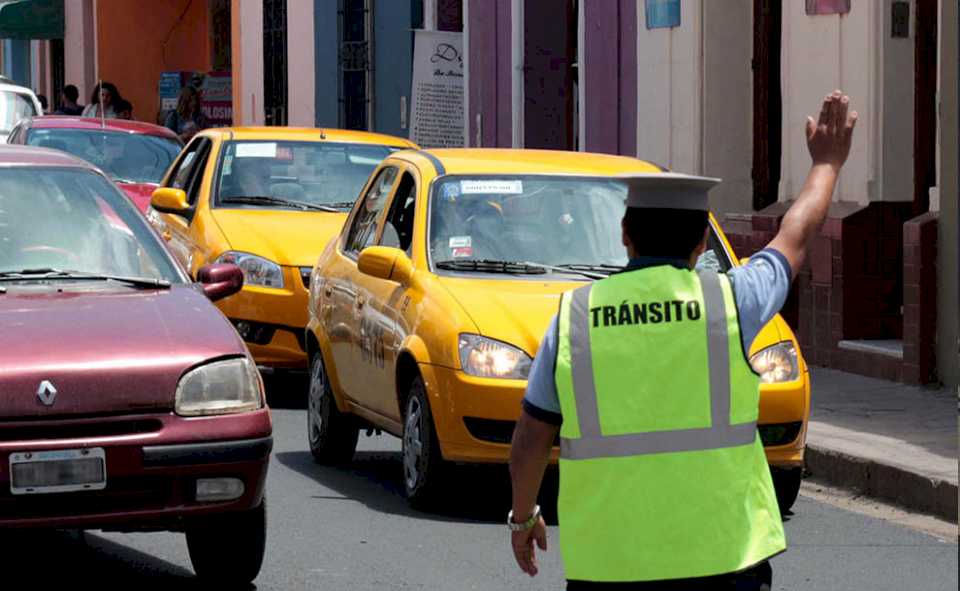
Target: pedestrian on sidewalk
<point x="102" y="100"/>
<point x="644" y="375"/>
<point x="68" y="101"/>
<point x="187" y="119"/>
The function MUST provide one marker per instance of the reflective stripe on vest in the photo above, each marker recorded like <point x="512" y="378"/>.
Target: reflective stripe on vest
<point x="721" y="433"/>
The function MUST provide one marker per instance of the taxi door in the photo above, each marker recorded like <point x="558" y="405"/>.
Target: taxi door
<point x="187" y="174"/>
<point x="355" y="355"/>
<point x="379" y="312"/>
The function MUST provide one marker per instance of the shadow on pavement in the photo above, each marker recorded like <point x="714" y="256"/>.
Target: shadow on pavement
<point x="70" y="559"/>
<point x="471" y="493"/>
<point x="286" y="389"/>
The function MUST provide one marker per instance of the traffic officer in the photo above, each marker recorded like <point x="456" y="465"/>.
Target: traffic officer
<point x="663" y="479"/>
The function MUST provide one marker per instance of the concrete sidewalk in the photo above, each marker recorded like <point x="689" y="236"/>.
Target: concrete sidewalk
<point x="885" y="440"/>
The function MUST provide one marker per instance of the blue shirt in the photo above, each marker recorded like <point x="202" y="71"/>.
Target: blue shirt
<point x="760" y="288"/>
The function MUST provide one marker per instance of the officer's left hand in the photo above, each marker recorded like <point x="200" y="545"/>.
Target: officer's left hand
<point x="523" y="549"/>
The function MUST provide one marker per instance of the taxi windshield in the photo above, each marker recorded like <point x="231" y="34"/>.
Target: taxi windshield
<point x="72" y="219"/>
<point x="324" y="175"/>
<point x="550" y="221"/>
<point x="125" y="157"/>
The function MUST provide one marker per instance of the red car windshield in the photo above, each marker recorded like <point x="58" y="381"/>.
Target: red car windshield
<point x="73" y="219"/>
<point x="125" y="157"/>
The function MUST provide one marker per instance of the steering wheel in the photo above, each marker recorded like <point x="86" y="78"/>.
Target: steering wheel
<point x="52" y="249"/>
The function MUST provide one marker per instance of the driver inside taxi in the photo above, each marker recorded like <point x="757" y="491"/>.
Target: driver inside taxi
<point x="249" y="177"/>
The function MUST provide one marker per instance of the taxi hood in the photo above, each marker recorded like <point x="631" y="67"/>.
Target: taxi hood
<point x="105" y="350"/>
<point x="517" y="312"/>
<point x="290" y="238"/>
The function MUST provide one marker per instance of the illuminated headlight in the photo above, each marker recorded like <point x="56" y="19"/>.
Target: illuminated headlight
<point x="256" y="270"/>
<point x="487" y="358"/>
<point x="777" y="363"/>
<point x="219" y="388"/>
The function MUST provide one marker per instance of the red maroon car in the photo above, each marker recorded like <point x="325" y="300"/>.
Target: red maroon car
<point x="133" y="154"/>
<point x="127" y="400"/>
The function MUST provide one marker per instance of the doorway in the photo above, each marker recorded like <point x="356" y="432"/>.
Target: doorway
<point x="767" y="101"/>
<point x="275" y="62"/>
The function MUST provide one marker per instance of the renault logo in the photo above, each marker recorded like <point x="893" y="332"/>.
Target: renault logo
<point x="47" y="393"/>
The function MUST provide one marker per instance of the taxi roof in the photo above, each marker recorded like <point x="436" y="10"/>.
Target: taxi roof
<point x="523" y="161"/>
<point x="309" y="134"/>
<point x="122" y="125"/>
<point x="18" y="155"/>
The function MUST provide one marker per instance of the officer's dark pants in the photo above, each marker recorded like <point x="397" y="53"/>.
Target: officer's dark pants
<point x="758" y="578"/>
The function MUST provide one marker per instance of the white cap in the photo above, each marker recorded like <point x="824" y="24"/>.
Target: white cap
<point x="668" y="190"/>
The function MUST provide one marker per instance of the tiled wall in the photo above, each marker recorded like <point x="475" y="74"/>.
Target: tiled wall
<point x="853" y="286"/>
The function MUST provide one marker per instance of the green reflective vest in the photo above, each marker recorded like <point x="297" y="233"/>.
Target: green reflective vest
<point x="662" y="473"/>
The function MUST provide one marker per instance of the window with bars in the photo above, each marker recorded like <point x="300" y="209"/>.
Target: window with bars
<point x="356" y="64"/>
<point x="275" y="62"/>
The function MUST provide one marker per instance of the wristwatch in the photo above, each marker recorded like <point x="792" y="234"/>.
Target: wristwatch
<point x="524" y="526"/>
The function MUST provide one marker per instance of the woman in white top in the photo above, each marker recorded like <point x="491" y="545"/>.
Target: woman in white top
<point x="105" y="93"/>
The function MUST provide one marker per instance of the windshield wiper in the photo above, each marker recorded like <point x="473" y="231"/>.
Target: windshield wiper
<point x="57" y="274"/>
<point x="517" y="267"/>
<point x="598" y="267"/>
<point x="266" y="200"/>
<point x="341" y="204"/>
<point x="491" y="266"/>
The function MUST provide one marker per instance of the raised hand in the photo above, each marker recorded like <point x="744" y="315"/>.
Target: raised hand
<point x="829" y="138"/>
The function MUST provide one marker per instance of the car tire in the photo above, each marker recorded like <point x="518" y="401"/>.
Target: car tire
<point x="423" y="465"/>
<point x="786" y="482"/>
<point x="228" y="549"/>
<point x="332" y="434"/>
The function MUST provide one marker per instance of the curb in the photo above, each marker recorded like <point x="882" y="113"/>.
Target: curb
<point x="882" y="481"/>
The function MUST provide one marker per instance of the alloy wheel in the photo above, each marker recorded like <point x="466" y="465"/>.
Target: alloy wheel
<point x="412" y="443"/>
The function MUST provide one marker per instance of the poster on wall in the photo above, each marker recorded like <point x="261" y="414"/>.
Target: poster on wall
<point x="828" y="7"/>
<point x="169" y="89"/>
<point x="437" y="110"/>
<point x="662" y="14"/>
<point x="216" y="99"/>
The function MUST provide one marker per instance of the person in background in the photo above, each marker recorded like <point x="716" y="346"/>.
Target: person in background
<point x="104" y="100"/>
<point x="187" y="119"/>
<point x="124" y="109"/>
<point x="68" y="101"/>
<point x="44" y="104"/>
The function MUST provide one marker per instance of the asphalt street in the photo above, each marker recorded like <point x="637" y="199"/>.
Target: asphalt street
<point x="351" y="529"/>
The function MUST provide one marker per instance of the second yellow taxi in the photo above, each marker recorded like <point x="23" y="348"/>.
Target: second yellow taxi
<point x="426" y="311"/>
<point x="267" y="199"/>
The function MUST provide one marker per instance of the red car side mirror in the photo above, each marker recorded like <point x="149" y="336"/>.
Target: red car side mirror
<point x="220" y="280"/>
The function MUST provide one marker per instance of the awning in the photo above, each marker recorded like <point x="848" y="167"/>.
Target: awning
<point x="31" y="19"/>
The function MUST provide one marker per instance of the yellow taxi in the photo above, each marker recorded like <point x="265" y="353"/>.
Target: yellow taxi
<point x="426" y="312"/>
<point x="268" y="200"/>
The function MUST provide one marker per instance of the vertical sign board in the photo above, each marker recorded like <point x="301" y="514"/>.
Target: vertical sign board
<point x="662" y="14"/>
<point x="169" y="89"/>
<point x="436" y="120"/>
<point x="216" y="99"/>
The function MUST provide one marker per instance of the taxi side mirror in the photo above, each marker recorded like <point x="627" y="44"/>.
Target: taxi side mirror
<point x="385" y="262"/>
<point x="220" y="280"/>
<point x="169" y="200"/>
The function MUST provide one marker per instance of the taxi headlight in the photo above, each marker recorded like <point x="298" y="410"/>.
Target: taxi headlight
<point x="777" y="363"/>
<point x="256" y="270"/>
<point x="487" y="358"/>
<point x="219" y="388"/>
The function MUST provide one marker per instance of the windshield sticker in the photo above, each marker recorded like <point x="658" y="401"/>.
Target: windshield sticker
<point x="491" y="186"/>
<point x="462" y="252"/>
<point x="258" y="150"/>
<point x="460" y="241"/>
<point x="450" y="191"/>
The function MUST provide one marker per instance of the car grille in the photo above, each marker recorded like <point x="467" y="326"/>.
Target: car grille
<point x="493" y="431"/>
<point x="121" y="494"/>
<point x="779" y="433"/>
<point x="76" y="429"/>
<point x="305" y="276"/>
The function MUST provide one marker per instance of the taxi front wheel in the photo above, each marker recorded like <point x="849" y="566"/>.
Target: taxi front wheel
<point x="423" y="465"/>
<point x="332" y="434"/>
<point x="786" y="482"/>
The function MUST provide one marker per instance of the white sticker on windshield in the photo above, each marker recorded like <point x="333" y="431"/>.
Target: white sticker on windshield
<point x="459" y="241"/>
<point x="257" y="150"/>
<point x="491" y="186"/>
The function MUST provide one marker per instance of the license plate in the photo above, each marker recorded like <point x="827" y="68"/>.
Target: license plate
<point x="65" y="470"/>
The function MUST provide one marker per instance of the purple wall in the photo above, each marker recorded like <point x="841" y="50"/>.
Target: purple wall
<point x="609" y="76"/>
<point x="489" y="79"/>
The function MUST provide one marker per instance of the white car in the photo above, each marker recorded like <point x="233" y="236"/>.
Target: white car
<point x="16" y="102"/>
